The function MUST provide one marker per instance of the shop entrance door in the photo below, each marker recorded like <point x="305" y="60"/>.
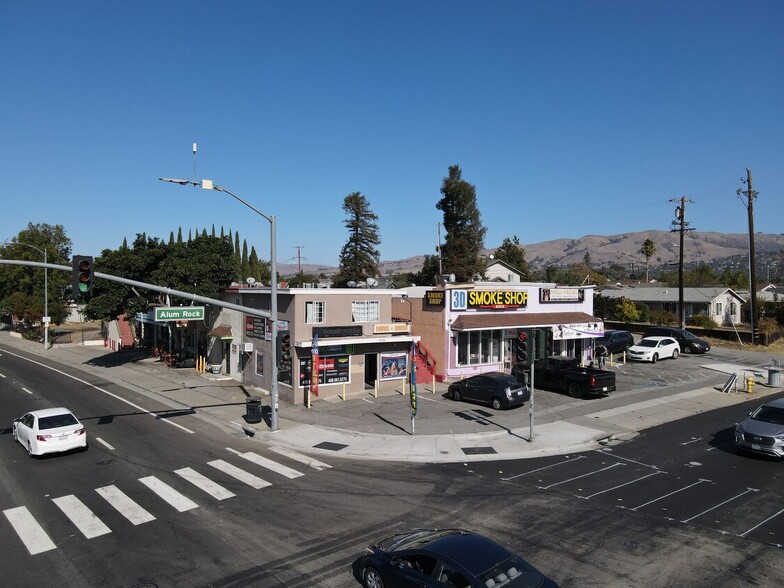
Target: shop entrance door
<point x="371" y="369"/>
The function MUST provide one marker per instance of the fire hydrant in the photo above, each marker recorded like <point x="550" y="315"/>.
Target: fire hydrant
<point x="750" y="383"/>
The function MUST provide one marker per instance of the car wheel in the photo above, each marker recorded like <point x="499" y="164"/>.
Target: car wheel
<point x="674" y="353"/>
<point x="456" y="394"/>
<point x="655" y="358"/>
<point x="372" y="578"/>
<point x="13" y="433"/>
<point x="496" y="404"/>
<point x="575" y="390"/>
<point x="29" y="450"/>
<point x="688" y="349"/>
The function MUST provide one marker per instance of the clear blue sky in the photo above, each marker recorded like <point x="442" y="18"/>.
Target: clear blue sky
<point x="570" y="118"/>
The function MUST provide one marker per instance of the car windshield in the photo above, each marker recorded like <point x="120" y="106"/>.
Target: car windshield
<point x="55" y="421"/>
<point x="769" y="414"/>
<point x="513" y="573"/>
<point x="647" y="343"/>
<point x="690" y="336"/>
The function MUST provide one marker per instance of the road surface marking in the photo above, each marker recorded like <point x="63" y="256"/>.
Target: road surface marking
<point x="203" y="482"/>
<point x="169" y="494"/>
<point x="621" y="485"/>
<point x="552" y="465"/>
<point x="304" y="459"/>
<point x="762" y="523"/>
<point x="721" y="504"/>
<point x="125" y="505"/>
<point x="239" y="474"/>
<point x="81" y="516"/>
<point x="271" y="465"/>
<point x="700" y="481"/>
<point x="30" y="532"/>
<point x="26" y="390"/>
<point x="582" y="476"/>
<point x="104" y="443"/>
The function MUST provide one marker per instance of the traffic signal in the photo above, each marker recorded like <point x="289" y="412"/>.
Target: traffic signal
<point x="284" y="347"/>
<point x="82" y="276"/>
<point x="522" y="348"/>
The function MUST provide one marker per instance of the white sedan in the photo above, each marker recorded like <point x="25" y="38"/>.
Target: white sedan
<point x="49" y="430"/>
<point x="654" y="348"/>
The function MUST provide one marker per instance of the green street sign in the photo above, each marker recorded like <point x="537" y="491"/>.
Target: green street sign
<point x="180" y="313"/>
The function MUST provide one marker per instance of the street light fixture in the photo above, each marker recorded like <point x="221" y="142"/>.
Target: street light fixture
<point x="209" y="185"/>
<point x="46" y="290"/>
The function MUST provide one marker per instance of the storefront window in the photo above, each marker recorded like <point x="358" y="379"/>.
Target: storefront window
<point x="479" y="347"/>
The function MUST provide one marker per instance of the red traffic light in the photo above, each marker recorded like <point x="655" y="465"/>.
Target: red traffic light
<point x="522" y="336"/>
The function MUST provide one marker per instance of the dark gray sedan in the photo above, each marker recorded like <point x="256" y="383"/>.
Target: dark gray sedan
<point x="497" y="389"/>
<point x="763" y="430"/>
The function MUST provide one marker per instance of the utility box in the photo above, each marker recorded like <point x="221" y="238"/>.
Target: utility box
<point x="774" y="376"/>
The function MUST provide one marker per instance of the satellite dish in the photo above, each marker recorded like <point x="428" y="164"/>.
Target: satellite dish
<point x="351" y="284"/>
<point x="372" y="282"/>
<point x="251" y="280"/>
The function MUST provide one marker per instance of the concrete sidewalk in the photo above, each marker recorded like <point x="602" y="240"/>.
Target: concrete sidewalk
<point x="381" y="428"/>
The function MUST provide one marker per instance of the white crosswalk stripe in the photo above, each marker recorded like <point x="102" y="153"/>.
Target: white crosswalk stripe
<point x="30" y="532"/>
<point x="81" y="516"/>
<point x="200" y="481"/>
<point x="169" y="494"/>
<point x="239" y="474"/>
<point x="304" y="459"/>
<point x="271" y="465"/>
<point x="125" y="505"/>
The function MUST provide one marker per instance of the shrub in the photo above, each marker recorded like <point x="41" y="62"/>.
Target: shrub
<point x="664" y="318"/>
<point x="701" y="320"/>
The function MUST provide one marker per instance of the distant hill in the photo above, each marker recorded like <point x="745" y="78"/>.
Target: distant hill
<point x="720" y="250"/>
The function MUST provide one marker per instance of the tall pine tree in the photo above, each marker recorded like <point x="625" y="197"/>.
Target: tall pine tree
<point x="359" y="258"/>
<point x="465" y="233"/>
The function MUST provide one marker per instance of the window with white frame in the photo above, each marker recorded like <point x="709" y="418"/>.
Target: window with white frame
<point x="718" y="308"/>
<point x="365" y="311"/>
<point x="314" y="312"/>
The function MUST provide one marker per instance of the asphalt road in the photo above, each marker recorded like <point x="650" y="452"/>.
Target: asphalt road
<point x="677" y="505"/>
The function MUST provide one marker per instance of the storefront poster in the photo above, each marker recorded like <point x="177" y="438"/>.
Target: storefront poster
<point x="561" y="295"/>
<point x="578" y="331"/>
<point x="332" y="370"/>
<point x="393" y="365"/>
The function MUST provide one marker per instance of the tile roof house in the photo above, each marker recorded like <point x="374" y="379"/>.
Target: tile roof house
<point x="721" y="304"/>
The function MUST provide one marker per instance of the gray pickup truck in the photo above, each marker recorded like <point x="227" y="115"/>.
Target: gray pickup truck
<point x="564" y="374"/>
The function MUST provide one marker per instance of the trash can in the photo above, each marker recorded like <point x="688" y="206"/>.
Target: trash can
<point x="774" y="376"/>
<point x="253" y="409"/>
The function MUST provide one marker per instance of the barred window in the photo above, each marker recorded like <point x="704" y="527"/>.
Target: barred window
<point x="365" y="311"/>
<point x="314" y="312"/>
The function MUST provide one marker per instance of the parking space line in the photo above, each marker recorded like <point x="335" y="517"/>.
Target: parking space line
<point x="762" y="523"/>
<point x="621" y="485"/>
<point x="552" y="465"/>
<point x="609" y="467"/>
<point x="700" y="481"/>
<point x="614" y="456"/>
<point x="722" y="503"/>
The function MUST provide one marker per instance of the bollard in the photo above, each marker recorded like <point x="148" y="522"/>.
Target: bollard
<point x="434" y="384"/>
<point x="375" y="389"/>
<point x="344" y="391"/>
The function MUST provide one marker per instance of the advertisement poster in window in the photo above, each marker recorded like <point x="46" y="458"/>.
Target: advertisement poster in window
<point x="393" y="365"/>
<point x="332" y="370"/>
<point x="259" y="363"/>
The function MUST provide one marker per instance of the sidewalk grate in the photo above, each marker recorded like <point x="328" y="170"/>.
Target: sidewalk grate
<point x="330" y="446"/>
<point x="478" y="450"/>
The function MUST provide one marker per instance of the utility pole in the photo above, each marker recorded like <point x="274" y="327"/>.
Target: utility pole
<point x="750" y="196"/>
<point x="680" y="225"/>
<point x="299" y="258"/>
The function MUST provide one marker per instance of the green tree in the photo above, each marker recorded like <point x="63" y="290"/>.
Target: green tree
<point x="463" y="224"/>
<point x="587" y="259"/>
<point x="428" y="275"/>
<point x="648" y="249"/>
<point x="512" y="252"/>
<point x="359" y="258"/>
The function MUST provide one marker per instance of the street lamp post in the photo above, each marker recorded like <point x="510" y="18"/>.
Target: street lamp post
<point x="209" y="185"/>
<point x="45" y="319"/>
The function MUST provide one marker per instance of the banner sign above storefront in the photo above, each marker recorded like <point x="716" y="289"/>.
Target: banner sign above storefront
<point x="435" y="297"/>
<point x="488" y="299"/>
<point x="392" y="328"/>
<point x="578" y="331"/>
<point x="561" y="295"/>
<point x="347" y="331"/>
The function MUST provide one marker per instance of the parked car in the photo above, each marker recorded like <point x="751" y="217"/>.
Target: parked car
<point x="49" y="430"/>
<point x="616" y="341"/>
<point x="654" y="348"/>
<point x="449" y="557"/>
<point x="763" y="429"/>
<point x="688" y="342"/>
<point x="565" y="374"/>
<point x="497" y="389"/>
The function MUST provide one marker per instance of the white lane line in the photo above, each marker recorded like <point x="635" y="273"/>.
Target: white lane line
<point x="303" y="459"/>
<point x="239" y="474"/>
<point x="271" y="465"/>
<point x="700" y="481"/>
<point x="762" y="523"/>
<point x="26" y="390"/>
<point x="2" y="375"/>
<point x="104" y="443"/>
<point x="81" y="516"/>
<point x="30" y="532"/>
<point x="125" y="505"/>
<point x="204" y="483"/>
<point x="721" y="504"/>
<point x="621" y="485"/>
<point x="693" y="440"/>
<point x="552" y="465"/>
<point x="169" y="494"/>
<point x="161" y="418"/>
<point x="582" y="476"/>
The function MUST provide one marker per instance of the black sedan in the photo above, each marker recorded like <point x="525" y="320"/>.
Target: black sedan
<point x="497" y="389"/>
<point x="449" y="557"/>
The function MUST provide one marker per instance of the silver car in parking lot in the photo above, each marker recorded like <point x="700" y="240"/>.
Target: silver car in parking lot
<point x="763" y="430"/>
